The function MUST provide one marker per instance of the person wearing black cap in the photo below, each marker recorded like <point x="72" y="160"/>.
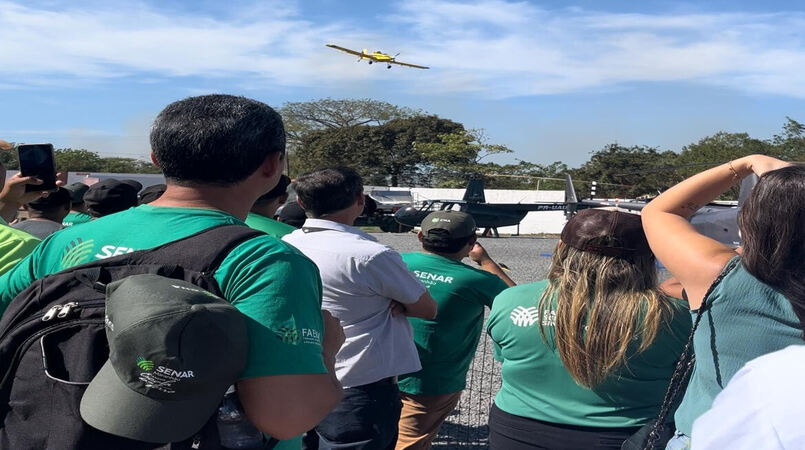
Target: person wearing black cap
<point x="588" y="353"/>
<point x="292" y="214"/>
<point x="219" y="153"/>
<point x="151" y="193"/>
<point x="78" y="210"/>
<point x="446" y="344"/>
<point x="261" y="215"/>
<point x="45" y="214"/>
<point x="110" y="196"/>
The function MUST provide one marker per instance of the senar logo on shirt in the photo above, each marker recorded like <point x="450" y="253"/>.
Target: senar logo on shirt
<point x="76" y="252"/>
<point x="432" y="278"/>
<point x="107" y="251"/>
<point x="524" y="317"/>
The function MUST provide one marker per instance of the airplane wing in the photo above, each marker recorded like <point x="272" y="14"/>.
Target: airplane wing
<point x="407" y="65"/>
<point x="351" y="52"/>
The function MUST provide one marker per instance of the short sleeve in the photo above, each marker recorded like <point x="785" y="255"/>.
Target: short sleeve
<point x="491" y="286"/>
<point x="16" y="265"/>
<point x="279" y="290"/>
<point x="391" y="277"/>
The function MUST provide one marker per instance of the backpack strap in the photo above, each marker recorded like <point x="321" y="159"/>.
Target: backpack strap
<point x="201" y="252"/>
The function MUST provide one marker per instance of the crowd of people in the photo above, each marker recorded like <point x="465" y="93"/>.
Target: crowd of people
<point x="303" y="331"/>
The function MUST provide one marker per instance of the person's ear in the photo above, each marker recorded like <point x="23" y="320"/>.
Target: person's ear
<point x="272" y="164"/>
<point x="420" y="236"/>
<point x="154" y="159"/>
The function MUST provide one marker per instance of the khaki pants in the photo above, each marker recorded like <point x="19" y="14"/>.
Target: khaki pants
<point x="421" y="417"/>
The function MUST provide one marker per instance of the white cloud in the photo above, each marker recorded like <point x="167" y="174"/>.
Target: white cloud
<point x="490" y="48"/>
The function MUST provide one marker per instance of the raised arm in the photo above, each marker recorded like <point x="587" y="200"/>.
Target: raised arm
<point x="482" y="258"/>
<point x="694" y="259"/>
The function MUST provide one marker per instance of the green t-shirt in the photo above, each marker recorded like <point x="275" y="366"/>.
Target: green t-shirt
<point x="746" y="318"/>
<point x="14" y="246"/>
<point x="536" y="385"/>
<point x="447" y="344"/>
<point x="75" y="218"/>
<point x="269" y="226"/>
<point x="272" y="283"/>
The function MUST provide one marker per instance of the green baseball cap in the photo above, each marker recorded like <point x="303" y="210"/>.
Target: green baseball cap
<point x="174" y="349"/>
<point x="456" y="224"/>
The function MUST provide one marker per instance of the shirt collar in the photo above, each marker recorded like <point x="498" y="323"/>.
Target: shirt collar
<point x="335" y="226"/>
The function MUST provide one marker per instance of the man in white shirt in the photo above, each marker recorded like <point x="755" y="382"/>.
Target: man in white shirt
<point x="368" y="288"/>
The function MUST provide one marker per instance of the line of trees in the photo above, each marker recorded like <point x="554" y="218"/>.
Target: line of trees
<point x="81" y="160"/>
<point x="394" y="145"/>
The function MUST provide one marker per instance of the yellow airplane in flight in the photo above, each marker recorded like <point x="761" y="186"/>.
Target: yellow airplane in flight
<point x="376" y="56"/>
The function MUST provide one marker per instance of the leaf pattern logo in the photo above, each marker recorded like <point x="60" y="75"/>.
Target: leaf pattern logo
<point x="77" y="252"/>
<point x="145" y="364"/>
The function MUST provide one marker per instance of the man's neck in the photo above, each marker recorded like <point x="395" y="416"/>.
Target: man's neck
<point x="228" y="199"/>
<point x="454" y="256"/>
<point x="342" y="217"/>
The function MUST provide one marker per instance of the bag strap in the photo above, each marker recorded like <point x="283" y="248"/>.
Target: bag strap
<point x="202" y="252"/>
<point x="686" y="361"/>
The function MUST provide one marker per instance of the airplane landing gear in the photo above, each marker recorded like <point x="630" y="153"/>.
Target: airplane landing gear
<point x="388" y="67"/>
<point x="370" y="61"/>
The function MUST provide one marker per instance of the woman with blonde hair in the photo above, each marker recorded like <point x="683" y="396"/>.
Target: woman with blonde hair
<point x="588" y="353"/>
<point x="742" y="300"/>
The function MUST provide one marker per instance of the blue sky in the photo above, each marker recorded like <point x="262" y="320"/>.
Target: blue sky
<point x="552" y="80"/>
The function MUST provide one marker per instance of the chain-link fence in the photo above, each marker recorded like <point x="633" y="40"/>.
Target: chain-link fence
<point x="466" y="427"/>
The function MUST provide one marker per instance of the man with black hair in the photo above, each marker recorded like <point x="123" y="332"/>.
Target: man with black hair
<point x="368" y="288"/>
<point x="219" y="153"/>
<point x="78" y="210"/>
<point x="261" y="216"/>
<point x="446" y="344"/>
<point x="45" y="214"/>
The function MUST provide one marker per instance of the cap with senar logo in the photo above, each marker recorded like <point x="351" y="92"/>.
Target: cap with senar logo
<point x="455" y="224"/>
<point x="174" y="349"/>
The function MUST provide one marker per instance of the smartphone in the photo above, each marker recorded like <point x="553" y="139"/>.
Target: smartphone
<point x="37" y="160"/>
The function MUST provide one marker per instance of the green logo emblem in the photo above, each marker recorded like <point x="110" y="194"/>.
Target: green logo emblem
<point x="434" y="220"/>
<point x="145" y="364"/>
<point x="288" y="332"/>
<point x="77" y="252"/>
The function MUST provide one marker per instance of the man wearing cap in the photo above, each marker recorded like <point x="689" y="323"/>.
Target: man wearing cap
<point x="261" y="216"/>
<point x="219" y="153"/>
<point x="78" y="210"/>
<point x="446" y="344"/>
<point x="45" y="214"/>
<point x="110" y="196"/>
<point x="364" y="283"/>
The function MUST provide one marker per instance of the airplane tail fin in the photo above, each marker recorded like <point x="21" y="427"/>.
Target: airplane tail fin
<point x="475" y="190"/>
<point x="571" y="200"/>
<point x="746" y="188"/>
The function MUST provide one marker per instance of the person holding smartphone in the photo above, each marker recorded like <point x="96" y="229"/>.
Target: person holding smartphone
<point x="14" y="244"/>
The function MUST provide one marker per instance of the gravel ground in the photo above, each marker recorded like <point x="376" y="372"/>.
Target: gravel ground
<point x="529" y="259"/>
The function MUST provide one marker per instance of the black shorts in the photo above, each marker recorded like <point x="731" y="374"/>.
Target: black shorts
<point x="510" y="432"/>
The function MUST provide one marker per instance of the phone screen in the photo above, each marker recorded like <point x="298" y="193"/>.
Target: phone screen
<point x="37" y="160"/>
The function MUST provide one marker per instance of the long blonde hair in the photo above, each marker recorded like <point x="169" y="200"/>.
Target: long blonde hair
<point x="604" y="306"/>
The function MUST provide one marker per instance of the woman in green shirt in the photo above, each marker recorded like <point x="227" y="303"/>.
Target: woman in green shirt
<point x="587" y="354"/>
<point x="741" y="298"/>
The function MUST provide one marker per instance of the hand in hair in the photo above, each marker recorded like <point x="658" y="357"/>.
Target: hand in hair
<point x="760" y="164"/>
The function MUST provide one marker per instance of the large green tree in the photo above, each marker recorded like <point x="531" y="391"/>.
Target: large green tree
<point x="386" y="153"/>
<point x="301" y="118"/>
<point x="454" y="156"/>
<point x="628" y="171"/>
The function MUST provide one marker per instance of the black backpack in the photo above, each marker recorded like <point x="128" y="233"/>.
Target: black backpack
<point x="53" y="342"/>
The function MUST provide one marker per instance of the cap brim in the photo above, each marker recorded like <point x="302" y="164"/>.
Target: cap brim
<point x="111" y="406"/>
